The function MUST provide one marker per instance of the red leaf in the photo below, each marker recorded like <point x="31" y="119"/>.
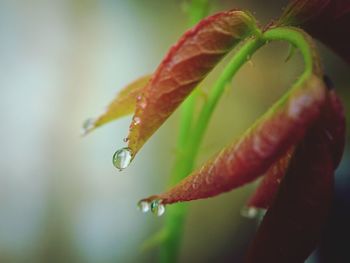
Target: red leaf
<point x="334" y="119"/>
<point x="185" y="65"/>
<point x="292" y="226"/>
<point x="265" y="194"/>
<point x="242" y="162"/>
<point x="335" y="131"/>
<point x="326" y="20"/>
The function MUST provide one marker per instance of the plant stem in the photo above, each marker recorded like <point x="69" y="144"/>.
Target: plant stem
<point x="174" y="220"/>
<point x="298" y="39"/>
<point x="191" y="136"/>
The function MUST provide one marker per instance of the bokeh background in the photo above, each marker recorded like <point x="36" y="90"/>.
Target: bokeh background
<point x="61" y="199"/>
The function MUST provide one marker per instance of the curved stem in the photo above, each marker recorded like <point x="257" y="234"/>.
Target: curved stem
<point x="184" y="163"/>
<point x="291" y="35"/>
<point x="230" y="70"/>
<point x="300" y="40"/>
<point x="174" y="220"/>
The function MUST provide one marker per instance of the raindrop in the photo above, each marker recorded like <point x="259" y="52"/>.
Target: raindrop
<point x="143" y="104"/>
<point x="143" y="206"/>
<point x="122" y="158"/>
<point x="137" y="121"/>
<point x="250" y="212"/>
<point x="88" y="125"/>
<point x="157" y="207"/>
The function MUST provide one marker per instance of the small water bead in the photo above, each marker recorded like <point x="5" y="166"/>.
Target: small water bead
<point x="157" y="208"/>
<point x="122" y="158"/>
<point x="88" y="125"/>
<point x="137" y="120"/>
<point x="144" y="206"/>
<point x="253" y="213"/>
<point x="143" y="104"/>
<point x="250" y="212"/>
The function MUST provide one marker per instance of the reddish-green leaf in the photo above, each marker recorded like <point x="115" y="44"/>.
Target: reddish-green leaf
<point x="242" y="162"/>
<point x="123" y="104"/>
<point x="326" y="20"/>
<point x="293" y="224"/>
<point x="335" y="131"/>
<point x="185" y="65"/>
<point x="264" y="195"/>
<point x="334" y="120"/>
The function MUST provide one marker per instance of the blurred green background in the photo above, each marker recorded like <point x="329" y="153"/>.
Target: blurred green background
<point x="61" y="199"/>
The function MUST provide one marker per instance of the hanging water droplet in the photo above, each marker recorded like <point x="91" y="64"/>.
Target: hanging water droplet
<point x="157" y="207"/>
<point x="122" y="158"/>
<point x="137" y="121"/>
<point x="88" y="125"/>
<point x="253" y="212"/>
<point x="144" y="206"/>
<point x="249" y="212"/>
<point x="143" y="104"/>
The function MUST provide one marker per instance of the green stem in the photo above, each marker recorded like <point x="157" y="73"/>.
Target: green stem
<point x="196" y="11"/>
<point x="184" y="163"/>
<point x="174" y="219"/>
<point x="298" y="39"/>
<point x="230" y="70"/>
<point x="188" y="146"/>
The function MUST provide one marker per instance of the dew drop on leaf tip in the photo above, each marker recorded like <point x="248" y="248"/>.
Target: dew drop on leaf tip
<point x="157" y="208"/>
<point x="144" y="206"/>
<point x="122" y="158"/>
<point x="251" y="212"/>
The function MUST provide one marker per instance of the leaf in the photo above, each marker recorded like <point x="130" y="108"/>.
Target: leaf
<point x="186" y="64"/>
<point x="335" y="131"/>
<point x="326" y="20"/>
<point x="334" y="119"/>
<point x="266" y="191"/>
<point x="293" y="224"/>
<point x="123" y="104"/>
<point x="281" y="127"/>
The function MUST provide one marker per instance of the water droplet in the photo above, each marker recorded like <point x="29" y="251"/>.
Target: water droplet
<point x="122" y="158"/>
<point x="144" y="206"/>
<point x="88" y="125"/>
<point x="137" y="121"/>
<point x="157" y="207"/>
<point x="250" y="212"/>
<point x="143" y="104"/>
